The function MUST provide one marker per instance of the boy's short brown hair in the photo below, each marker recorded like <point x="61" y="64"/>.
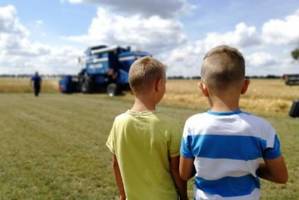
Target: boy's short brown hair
<point x="144" y="72"/>
<point x="222" y="67"/>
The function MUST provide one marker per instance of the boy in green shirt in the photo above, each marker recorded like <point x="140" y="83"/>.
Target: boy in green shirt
<point x="145" y="147"/>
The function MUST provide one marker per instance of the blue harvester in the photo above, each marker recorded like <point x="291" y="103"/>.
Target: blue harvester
<point x="104" y="69"/>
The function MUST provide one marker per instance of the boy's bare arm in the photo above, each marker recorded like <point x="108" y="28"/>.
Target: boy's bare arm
<point x="118" y="179"/>
<point x="274" y="170"/>
<point x="180" y="183"/>
<point x="186" y="168"/>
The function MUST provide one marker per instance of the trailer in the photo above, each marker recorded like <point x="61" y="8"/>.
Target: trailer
<point x="103" y="69"/>
<point x="291" y="79"/>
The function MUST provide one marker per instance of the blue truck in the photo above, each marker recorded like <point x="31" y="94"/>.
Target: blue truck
<point x="104" y="69"/>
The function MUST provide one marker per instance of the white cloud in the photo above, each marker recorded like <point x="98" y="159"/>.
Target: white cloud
<point x="9" y="23"/>
<point x="19" y="54"/>
<point x="243" y="36"/>
<point x="151" y="33"/>
<point x="165" y="8"/>
<point x="261" y="59"/>
<point x="184" y="60"/>
<point x="258" y="48"/>
<point x="282" y="31"/>
<point x="189" y="55"/>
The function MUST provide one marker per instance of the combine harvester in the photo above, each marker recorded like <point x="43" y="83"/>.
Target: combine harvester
<point x="104" y="69"/>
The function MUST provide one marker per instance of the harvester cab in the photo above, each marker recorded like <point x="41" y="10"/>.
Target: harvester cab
<point x="103" y="68"/>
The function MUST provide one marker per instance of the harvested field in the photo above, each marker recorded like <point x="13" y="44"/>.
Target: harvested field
<point x="53" y="147"/>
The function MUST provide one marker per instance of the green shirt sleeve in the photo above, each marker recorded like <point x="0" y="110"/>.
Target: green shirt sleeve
<point x="110" y="143"/>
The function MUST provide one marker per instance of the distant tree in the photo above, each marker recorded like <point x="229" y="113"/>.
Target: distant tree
<point x="295" y="54"/>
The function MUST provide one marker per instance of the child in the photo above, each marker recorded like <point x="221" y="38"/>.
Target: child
<point x="227" y="148"/>
<point x="146" y="148"/>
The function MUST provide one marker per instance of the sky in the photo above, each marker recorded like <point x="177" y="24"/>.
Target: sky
<point x="49" y="35"/>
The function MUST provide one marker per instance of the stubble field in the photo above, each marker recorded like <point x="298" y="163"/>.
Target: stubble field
<point x="53" y="147"/>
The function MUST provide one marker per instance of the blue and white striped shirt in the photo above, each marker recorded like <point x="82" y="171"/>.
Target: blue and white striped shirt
<point x="227" y="148"/>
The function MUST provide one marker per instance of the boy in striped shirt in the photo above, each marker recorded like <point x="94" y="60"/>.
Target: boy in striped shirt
<point x="227" y="148"/>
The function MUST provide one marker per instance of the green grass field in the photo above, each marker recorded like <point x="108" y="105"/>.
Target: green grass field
<point x="53" y="147"/>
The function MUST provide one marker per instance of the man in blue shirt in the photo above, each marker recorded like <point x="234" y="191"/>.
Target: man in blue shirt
<point x="36" y="81"/>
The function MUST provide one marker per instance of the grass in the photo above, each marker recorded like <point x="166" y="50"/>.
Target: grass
<point x="53" y="147"/>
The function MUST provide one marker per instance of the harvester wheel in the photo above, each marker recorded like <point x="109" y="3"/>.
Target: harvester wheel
<point x="112" y="89"/>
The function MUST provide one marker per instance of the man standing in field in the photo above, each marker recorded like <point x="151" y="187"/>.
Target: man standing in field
<point x="36" y="81"/>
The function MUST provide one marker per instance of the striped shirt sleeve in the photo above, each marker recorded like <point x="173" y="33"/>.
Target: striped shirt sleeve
<point x="272" y="149"/>
<point x="186" y="149"/>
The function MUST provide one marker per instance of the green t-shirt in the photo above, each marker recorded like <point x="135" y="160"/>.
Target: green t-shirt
<point x="143" y="143"/>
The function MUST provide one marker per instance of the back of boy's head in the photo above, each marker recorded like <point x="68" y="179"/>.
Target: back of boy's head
<point x="144" y="72"/>
<point x="223" y="67"/>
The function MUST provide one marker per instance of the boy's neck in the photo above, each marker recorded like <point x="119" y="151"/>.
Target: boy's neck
<point x="142" y="104"/>
<point x="220" y="105"/>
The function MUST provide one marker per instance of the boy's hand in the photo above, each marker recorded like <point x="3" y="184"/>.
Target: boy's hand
<point x="122" y="197"/>
<point x="118" y="179"/>
<point x="181" y="185"/>
<point x="274" y="170"/>
<point x="186" y="168"/>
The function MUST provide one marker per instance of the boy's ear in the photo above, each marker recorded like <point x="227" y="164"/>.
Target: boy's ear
<point x="204" y="89"/>
<point x="245" y="86"/>
<point x="157" y="84"/>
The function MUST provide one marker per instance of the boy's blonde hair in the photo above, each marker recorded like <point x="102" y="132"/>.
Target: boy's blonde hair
<point x="223" y="66"/>
<point x="144" y="72"/>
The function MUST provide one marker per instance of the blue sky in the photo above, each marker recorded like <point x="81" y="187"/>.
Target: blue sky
<point x="49" y="35"/>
